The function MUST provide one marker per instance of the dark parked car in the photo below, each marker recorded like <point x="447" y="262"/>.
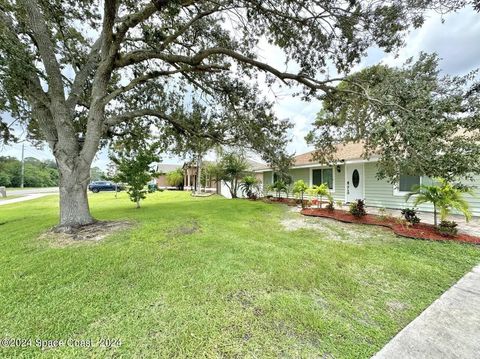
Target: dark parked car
<point x="98" y="186"/>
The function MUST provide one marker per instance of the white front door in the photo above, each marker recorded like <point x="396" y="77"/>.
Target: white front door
<point x="354" y="182"/>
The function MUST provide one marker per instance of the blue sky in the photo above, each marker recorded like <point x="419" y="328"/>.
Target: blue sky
<point x="456" y="40"/>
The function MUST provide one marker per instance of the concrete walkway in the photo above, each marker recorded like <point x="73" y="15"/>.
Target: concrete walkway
<point x="449" y="328"/>
<point x="24" y="198"/>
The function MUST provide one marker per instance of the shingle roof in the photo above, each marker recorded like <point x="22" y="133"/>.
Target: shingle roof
<point x="349" y="151"/>
<point x="164" y="168"/>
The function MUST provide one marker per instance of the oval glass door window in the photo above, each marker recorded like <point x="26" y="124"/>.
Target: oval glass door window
<point x="355" y="178"/>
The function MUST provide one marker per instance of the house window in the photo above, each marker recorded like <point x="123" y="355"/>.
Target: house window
<point x="407" y="182"/>
<point x="323" y="175"/>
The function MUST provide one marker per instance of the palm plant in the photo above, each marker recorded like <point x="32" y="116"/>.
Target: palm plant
<point x="299" y="188"/>
<point x="320" y="191"/>
<point x="249" y="186"/>
<point x="279" y="187"/>
<point x="453" y="199"/>
<point x="444" y="196"/>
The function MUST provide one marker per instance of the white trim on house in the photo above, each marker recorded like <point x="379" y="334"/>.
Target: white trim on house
<point x="313" y="164"/>
<point x="364" y="180"/>
<point x="310" y="174"/>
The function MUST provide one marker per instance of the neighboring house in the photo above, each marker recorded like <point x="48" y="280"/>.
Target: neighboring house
<point x="163" y="169"/>
<point x="190" y="177"/>
<point x="352" y="177"/>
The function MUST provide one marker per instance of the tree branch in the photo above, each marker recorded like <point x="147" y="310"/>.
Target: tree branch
<point x="82" y="76"/>
<point x="46" y="49"/>
<point x="135" y="57"/>
<point x="155" y="74"/>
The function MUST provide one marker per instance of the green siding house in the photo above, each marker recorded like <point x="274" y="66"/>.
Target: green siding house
<point x="353" y="177"/>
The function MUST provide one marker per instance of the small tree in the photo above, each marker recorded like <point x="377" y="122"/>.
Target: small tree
<point x="134" y="169"/>
<point x="299" y="189"/>
<point x="249" y="186"/>
<point x="320" y="192"/>
<point x="453" y="199"/>
<point x="175" y="178"/>
<point x="278" y="187"/>
<point x="233" y="167"/>
<point x="443" y="196"/>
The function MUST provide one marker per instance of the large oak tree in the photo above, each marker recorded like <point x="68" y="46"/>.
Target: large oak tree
<point x="412" y="119"/>
<point x="75" y="72"/>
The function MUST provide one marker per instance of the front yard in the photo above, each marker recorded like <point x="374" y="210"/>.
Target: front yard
<point x="210" y="277"/>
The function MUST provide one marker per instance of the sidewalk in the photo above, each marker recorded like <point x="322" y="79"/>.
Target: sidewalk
<point x="448" y="328"/>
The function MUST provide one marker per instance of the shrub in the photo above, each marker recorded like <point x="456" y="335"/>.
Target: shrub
<point x="250" y="187"/>
<point x="448" y="228"/>
<point x="175" y="178"/>
<point x="357" y="208"/>
<point x="339" y="204"/>
<point x="152" y="188"/>
<point x="330" y="205"/>
<point x="410" y="215"/>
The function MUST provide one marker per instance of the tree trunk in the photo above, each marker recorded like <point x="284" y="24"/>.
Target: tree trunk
<point x="74" y="209"/>
<point x="198" y="185"/>
<point x="232" y="189"/>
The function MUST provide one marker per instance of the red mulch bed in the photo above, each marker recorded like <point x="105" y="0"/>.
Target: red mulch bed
<point x="287" y="201"/>
<point x="418" y="231"/>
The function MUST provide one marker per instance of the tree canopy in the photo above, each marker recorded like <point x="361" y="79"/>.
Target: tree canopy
<point x="416" y="121"/>
<point x="76" y="74"/>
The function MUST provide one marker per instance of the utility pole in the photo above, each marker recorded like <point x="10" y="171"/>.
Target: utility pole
<point x="22" y="174"/>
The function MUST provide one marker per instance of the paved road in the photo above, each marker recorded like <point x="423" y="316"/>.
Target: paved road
<point x="449" y="328"/>
<point x="27" y="197"/>
<point x="26" y="191"/>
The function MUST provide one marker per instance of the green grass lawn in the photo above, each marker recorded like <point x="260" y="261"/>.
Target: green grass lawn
<point x="209" y="277"/>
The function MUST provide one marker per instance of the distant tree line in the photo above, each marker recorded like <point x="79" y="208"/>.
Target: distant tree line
<point x="37" y="173"/>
